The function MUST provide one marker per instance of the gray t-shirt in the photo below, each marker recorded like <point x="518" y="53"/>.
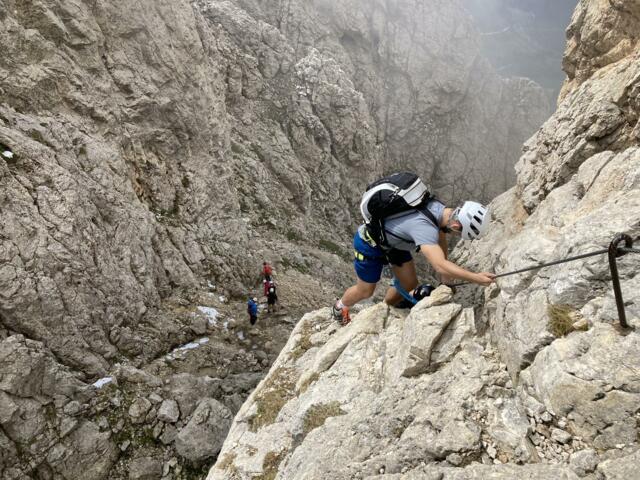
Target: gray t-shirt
<point x="409" y="230"/>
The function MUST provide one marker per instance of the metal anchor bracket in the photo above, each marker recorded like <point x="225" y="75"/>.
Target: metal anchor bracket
<point x="616" y="251"/>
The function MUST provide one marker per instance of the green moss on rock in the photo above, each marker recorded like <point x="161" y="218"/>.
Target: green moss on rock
<point x="304" y="343"/>
<point x="318" y="414"/>
<point x="278" y="389"/>
<point x="270" y="465"/>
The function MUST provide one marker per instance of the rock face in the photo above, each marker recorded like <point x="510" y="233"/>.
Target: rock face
<point x="42" y="405"/>
<point x="155" y="150"/>
<point x="600" y="34"/>
<point x="578" y="186"/>
<point x="156" y="144"/>
<point x="161" y="421"/>
<point x="353" y="403"/>
<point x="202" y="437"/>
<point x="537" y="380"/>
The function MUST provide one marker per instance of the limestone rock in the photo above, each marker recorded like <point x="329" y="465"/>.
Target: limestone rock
<point x="461" y="329"/>
<point x="336" y="405"/>
<point x="600" y="33"/>
<point x="584" y="461"/>
<point x="562" y="377"/>
<point x="27" y="369"/>
<point x="481" y="472"/>
<point x="145" y="468"/>
<point x="129" y="373"/>
<point x="509" y="428"/>
<point x="620" y="468"/>
<point x="439" y="296"/>
<point x="139" y="409"/>
<point x="41" y="408"/>
<point x="188" y="389"/>
<point x="86" y="454"/>
<point x="203" y="435"/>
<point x="423" y="329"/>
<point x="458" y="437"/>
<point x="169" y="434"/>
<point x="560" y="435"/>
<point x="169" y="411"/>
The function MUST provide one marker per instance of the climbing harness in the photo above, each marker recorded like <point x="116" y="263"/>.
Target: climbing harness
<point x="614" y="252"/>
<point x="400" y="289"/>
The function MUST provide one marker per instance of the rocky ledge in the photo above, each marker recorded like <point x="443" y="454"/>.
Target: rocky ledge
<point x="419" y="395"/>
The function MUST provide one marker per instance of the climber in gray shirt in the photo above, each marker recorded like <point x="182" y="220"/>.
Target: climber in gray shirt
<point x="407" y="232"/>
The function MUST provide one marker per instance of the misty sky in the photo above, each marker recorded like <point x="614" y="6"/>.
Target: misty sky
<point x="525" y="37"/>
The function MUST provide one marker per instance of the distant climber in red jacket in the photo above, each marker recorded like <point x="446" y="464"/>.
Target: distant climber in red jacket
<point x="267" y="271"/>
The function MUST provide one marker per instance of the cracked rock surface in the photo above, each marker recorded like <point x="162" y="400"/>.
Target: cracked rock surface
<point x="363" y="401"/>
<point x="536" y="380"/>
<point x="158" y="144"/>
<point x="557" y="329"/>
<point x="165" y="420"/>
<point x="152" y="151"/>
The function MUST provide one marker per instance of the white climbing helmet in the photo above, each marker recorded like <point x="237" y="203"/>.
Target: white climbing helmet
<point x="475" y="219"/>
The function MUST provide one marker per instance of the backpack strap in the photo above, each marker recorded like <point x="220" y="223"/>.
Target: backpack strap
<point x="424" y="209"/>
<point x="377" y="232"/>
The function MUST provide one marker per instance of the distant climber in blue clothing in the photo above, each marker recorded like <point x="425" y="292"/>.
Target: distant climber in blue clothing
<point x="390" y="239"/>
<point x="252" y="309"/>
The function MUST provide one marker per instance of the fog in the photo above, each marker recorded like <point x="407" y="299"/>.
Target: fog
<point x="524" y="38"/>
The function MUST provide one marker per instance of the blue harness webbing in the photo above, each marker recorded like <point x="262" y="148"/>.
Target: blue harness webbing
<point x="406" y="295"/>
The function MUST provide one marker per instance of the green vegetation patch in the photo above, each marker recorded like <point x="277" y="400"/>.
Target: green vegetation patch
<point x="227" y="463"/>
<point x="318" y="414"/>
<point x="561" y="319"/>
<point x="304" y="343"/>
<point x="193" y="472"/>
<point x="270" y="465"/>
<point x="294" y="236"/>
<point x="331" y="247"/>
<point x="278" y="389"/>
<point x="307" y="383"/>
<point x="286" y="263"/>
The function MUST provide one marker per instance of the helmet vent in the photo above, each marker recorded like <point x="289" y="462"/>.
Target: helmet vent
<point x="475" y="219"/>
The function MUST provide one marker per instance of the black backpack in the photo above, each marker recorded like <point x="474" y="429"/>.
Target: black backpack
<point x="397" y="193"/>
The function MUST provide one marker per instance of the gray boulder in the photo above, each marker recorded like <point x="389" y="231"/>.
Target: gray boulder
<point x="203" y="435"/>
<point x="139" y="409"/>
<point x="584" y="461"/>
<point x="145" y="468"/>
<point x="169" y="411"/>
<point x="622" y="468"/>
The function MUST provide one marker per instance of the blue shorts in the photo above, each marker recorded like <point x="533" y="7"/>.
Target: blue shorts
<point x="371" y="261"/>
